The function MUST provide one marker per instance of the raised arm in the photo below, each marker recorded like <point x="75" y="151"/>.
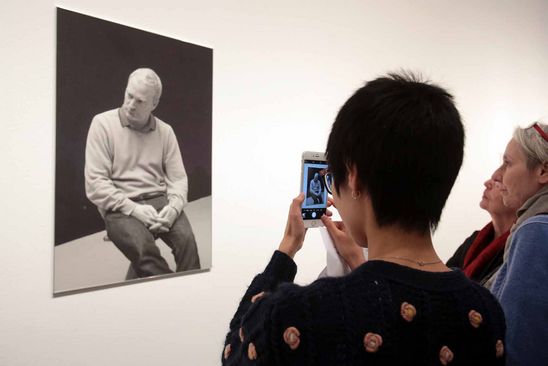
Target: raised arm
<point x="250" y="340"/>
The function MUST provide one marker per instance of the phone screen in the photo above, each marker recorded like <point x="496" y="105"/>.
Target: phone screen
<point x="315" y="200"/>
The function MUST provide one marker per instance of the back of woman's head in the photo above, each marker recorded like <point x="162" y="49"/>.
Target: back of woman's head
<point x="533" y="140"/>
<point x="406" y="140"/>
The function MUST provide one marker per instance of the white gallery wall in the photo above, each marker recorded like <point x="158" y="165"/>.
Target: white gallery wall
<point x="281" y="71"/>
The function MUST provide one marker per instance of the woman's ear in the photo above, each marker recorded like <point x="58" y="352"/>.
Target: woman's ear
<point x="353" y="180"/>
<point x="543" y="173"/>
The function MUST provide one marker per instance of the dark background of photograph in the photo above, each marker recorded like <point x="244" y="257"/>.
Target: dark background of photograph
<point x="94" y="60"/>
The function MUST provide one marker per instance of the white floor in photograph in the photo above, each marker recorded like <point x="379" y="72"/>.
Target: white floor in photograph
<point x="93" y="261"/>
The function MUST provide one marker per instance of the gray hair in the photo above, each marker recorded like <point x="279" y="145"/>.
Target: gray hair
<point x="533" y="144"/>
<point x="150" y="78"/>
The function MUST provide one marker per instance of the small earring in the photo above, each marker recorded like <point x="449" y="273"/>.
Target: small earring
<point x="356" y="194"/>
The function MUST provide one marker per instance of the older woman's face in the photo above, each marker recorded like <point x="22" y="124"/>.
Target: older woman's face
<point x="491" y="200"/>
<point x="518" y="183"/>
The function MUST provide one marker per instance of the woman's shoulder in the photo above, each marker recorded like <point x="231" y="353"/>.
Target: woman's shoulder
<point x="323" y="292"/>
<point x="487" y="300"/>
<point x="537" y="220"/>
<point x="328" y="300"/>
<point x="533" y="232"/>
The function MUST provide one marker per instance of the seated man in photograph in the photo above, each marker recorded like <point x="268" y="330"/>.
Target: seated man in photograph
<point x="135" y="176"/>
<point x="315" y="190"/>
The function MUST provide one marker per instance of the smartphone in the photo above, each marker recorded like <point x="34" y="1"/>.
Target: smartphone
<point x="313" y="170"/>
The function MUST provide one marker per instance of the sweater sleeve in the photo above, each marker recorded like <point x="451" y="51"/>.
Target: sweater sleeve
<point x="250" y="329"/>
<point x="176" y="178"/>
<point x="524" y="296"/>
<point x="98" y="171"/>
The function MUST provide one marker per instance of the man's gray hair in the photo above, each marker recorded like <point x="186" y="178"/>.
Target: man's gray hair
<point x="533" y="143"/>
<point x="149" y="77"/>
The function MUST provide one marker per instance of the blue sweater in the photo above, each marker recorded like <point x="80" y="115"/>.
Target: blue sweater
<point x="379" y="314"/>
<point x="522" y="289"/>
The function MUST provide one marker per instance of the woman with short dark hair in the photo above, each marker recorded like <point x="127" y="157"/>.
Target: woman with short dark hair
<point x="394" y="152"/>
<point x="521" y="282"/>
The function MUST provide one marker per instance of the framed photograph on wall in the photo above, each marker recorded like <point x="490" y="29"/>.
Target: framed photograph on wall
<point x="133" y="155"/>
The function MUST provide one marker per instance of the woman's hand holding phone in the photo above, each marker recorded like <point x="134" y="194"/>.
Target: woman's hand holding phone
<point x="294" y="230"/>
<point x="347" y="248"/>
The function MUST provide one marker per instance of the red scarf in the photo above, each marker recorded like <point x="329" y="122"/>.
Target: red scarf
<point x="482" y="251"/>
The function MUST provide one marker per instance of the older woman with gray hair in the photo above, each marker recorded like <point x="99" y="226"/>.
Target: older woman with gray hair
<point x="521" y="283"/>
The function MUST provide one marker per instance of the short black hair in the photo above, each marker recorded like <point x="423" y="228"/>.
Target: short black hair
<point x="406" y="139"/>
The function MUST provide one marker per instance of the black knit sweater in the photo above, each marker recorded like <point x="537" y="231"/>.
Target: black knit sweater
<point x="380" y="314"/>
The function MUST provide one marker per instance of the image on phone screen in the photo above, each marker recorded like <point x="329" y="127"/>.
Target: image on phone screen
<point x="315" y="201"/>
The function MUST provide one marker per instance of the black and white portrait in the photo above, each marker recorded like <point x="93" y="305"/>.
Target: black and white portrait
<point x="133" y="154"/>
<point x="315" y="194"/>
